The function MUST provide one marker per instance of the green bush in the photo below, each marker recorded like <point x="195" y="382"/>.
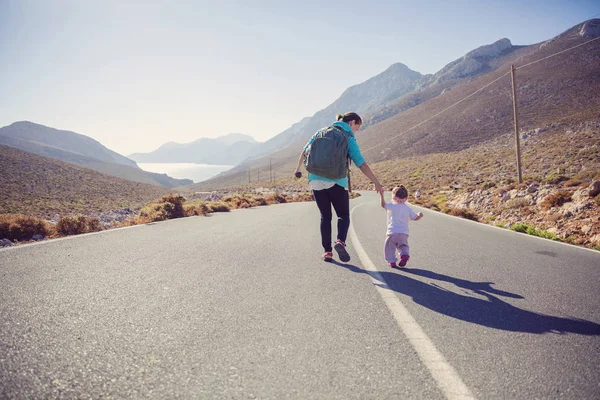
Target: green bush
<point x="519" y="228"/>
<point x="555" y="178"/>
<point x="530" y="230"/>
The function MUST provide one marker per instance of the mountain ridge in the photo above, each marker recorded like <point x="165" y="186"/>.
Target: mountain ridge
<point x="79" y="150"/>
<point x="473" y="121"/>
<point x="223" y="150"/>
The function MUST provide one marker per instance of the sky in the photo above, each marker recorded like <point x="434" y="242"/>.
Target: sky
<point x="137" y="74"/>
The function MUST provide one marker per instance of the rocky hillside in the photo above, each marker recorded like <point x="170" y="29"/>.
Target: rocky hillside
<point x="561" y="170"/>
<point x="562" y="88"/>
<point x="42" y="187"/>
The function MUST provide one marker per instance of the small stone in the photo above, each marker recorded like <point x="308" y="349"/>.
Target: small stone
<point x="38" y="237"/>
<point x="594" y="189"/>
<point x="5" y="243"/>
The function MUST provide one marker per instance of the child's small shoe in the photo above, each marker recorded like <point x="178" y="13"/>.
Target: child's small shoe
<point x="404" y="259"/>
<point x="393" y="265"/>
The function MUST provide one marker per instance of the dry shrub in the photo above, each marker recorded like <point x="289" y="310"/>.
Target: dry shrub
<point x="237" y="201"/>
<point x="300" y="197"/>
<point x="259" y="201"/>
<point x="155" y="212"/>
<point x="274" y="198"/>
<point x="168" y="207"/>
<point x="176" y="210"/>
<point x="200" y="209"/>
<point x="554" y="217"/>
<point x="217" y="206"/>
<point x="463" y="213"/>
<point x="76" y="225"/>
<point x="572" y="183"/>
<point x="555" y="199"/>
<point x="526" y="211"/>
<point x="22" y="227"/>
<point x="517" y="202"/>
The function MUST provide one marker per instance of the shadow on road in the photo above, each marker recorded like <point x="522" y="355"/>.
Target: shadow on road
<point x="489" y="311"/>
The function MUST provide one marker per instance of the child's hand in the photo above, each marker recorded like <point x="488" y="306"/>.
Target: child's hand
<point x="419" y="216"/>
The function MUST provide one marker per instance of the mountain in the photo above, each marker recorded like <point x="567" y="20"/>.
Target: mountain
<point x="550" y="89"/>
<point x="79" y="150"/>
<point x="41" y="186"/>
<point x="43" y="136"/>
<point x="225" y="150"/>
<point x="377" y="91"/>
<point x="558" y="88"/>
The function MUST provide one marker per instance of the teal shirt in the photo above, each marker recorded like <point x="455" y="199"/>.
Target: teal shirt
<point x="353" y="152"/>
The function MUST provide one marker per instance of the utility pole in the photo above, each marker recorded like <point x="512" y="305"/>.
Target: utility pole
<point x="517" y="139"/>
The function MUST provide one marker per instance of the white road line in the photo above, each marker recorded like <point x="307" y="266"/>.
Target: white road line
<point x="444" y="374"/>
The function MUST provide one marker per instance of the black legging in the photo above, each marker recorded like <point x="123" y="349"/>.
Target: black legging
<point x="339" y="198"/>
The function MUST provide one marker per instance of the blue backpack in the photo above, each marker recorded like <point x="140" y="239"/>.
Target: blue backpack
<point x="327" y="155"/>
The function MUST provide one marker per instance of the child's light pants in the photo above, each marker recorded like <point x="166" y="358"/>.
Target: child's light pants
<point x="395" y="241"/>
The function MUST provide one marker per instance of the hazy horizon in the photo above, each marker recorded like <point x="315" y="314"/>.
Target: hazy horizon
<point x="134" y="76"/>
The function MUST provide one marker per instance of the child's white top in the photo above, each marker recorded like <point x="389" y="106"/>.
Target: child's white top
<point x="398" y="215"/>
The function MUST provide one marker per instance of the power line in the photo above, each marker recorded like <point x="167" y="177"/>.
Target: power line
<point x="555" y="54"/>
<point x="441" y="112"/>
<point x="475" y="92"/>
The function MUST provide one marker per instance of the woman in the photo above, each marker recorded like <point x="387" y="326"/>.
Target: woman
<point x="328" y="192"/>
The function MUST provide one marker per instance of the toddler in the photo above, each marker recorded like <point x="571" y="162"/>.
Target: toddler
<point x="398" y="214"/>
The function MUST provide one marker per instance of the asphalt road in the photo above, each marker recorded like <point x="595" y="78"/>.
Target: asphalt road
<point x="240" y="305"/>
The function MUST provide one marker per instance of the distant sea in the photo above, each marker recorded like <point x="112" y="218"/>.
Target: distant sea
<point x="195" y="172"/>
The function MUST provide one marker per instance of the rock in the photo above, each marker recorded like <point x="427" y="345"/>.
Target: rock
<point x="554" y="231"/>
<point x="38" y="237"/>
<point x="567" y="214"/>
<point x="590" y="28"/>
<point x="594" y="189"/>
<point x="417" y="194"/>
<point x="579" y="196"/>
<point x="586" y="229"/>
<point x="5" y="243"/>
<point x="533" y="188"/>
